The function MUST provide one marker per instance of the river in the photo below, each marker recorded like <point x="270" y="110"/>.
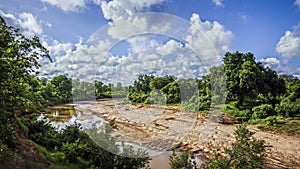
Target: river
<point x="63" y="115"/>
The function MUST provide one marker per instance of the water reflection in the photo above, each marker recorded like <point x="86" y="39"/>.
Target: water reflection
<point x="61" y="113"/>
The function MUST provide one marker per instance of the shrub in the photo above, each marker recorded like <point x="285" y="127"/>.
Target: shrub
<point x="43" y="133"/>
<point x="73" y="150"/>
<point x="245" y="153"/>
<point x="262" y="111"/>
<point x="274" y="121"/>
<point x="287" y="109"/>
<point x="181" y="161"/>
<point x="197" y="103"/>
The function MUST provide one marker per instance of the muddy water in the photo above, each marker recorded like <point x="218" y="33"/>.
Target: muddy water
<point x="63" y="115"/>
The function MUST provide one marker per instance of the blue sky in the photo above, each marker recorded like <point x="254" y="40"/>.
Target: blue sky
<point x="270" y="29"/>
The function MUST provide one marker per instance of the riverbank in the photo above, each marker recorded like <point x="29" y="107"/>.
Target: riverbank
<point x="168" y="128"/>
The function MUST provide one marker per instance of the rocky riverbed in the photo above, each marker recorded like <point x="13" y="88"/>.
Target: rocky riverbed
<point x="168" y="128"/>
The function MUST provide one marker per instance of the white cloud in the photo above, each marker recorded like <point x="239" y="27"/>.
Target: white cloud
<point x="136" y="25"/>
<point x="270" y="62"/>
<point x="280" y="66"/>
<point x="117" y="8"/>
<point x="209" y="39"/>
<point x="140" y="43"/>
<point x="218" y="3"/>
<point x="169" y="48"/>
<point x="67" y="5"/>
<point x="28" y="23"/>
<point x="297" y="3"/>
<point x="57" y="48"/>
<point x="289" y="44"/>
<point x="76" y="60"/>
<point x="146" y="54"/>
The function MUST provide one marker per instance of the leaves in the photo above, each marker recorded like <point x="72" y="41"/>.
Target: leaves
<point x="246" y="152"/>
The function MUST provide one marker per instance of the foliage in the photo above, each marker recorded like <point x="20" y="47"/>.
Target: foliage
<point x="130" y="159"/>
<point x="288" y="109"/>
<point x="18" y="63"/>
<point x="43" y="133"/>
<point x="246" y="79"/>
<point x="246" y="152"/>
<point x="181" y="161"/>
<point x="73" y="150"/>
<point x="262" y="111"/>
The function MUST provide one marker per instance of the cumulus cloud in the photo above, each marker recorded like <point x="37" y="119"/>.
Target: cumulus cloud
<point x="169" y="48"/>
<point x="117" y="8"/>
<point x="28" y="23"/>
<point x="78" y="61"/>
<point x="271" y="62"/>
<point x="280" y="66"/>
<point x="209" y="39"/>
<point x="69" y="5"/>
<point x="289" y="44"/>
<point x="191" y="47"/>
<point x="197" y="50"/>
<point x="58" y="48"/>
<point x="218" y="3"/>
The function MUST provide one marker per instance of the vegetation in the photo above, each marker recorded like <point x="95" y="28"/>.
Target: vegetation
<point x="23" y="94"/>
<point x="253" y="93"/>
<point x="181" y="161"/>
<point x="246" y="153"/>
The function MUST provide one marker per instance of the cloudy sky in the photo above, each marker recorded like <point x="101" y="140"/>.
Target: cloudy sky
<point x="120" y="39"/>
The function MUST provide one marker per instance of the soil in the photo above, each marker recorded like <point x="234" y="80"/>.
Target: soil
<point x="168" y="128"/>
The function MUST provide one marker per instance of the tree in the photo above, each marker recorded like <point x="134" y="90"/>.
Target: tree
<point x="18" y="64"/>
<point x="271" y="86"/>
<point x="160" y="82"/>
<point x="242" y="76"/>
<point x="246" y="152"/>
<point x="143" y="84"/>
<point x="62" y="87"/>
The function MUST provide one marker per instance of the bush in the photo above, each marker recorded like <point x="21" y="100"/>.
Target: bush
<point x="181" y="161"/>
<point x="246" y="152"/>
<point x="73" y="150"/>
<point x="137" y="97"/>
<point x="274" y="121"/>
<point x="287" y="109"/>
<point x="262" y="111"/>
<point x="197" y="103"/>
<point x="43" y="133"/>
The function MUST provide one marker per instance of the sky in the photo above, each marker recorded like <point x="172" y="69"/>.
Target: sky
<point x="115" y="41"/>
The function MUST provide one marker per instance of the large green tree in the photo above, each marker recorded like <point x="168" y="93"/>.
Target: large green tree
<point x="242" y="74"/>
<point x="19" y="57"/>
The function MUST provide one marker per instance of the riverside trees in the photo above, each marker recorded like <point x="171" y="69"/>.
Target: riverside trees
<point x="18" y="63"/>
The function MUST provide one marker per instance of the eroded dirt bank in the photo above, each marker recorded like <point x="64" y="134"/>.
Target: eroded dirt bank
<point x="167" y="128"/>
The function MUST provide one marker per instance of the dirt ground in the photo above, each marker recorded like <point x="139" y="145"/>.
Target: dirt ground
<point x="167" y="128"/>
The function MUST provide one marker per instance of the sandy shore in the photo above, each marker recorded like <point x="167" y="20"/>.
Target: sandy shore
<point x="167" y="128"/>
